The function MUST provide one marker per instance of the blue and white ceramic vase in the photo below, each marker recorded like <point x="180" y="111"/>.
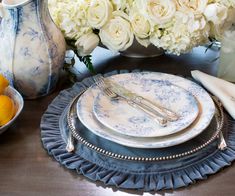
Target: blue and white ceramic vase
<point x="32" y="48"/>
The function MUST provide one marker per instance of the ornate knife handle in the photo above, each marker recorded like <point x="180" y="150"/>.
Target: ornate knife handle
<point x="153" y="107"/>
<point x="160" y="120"/>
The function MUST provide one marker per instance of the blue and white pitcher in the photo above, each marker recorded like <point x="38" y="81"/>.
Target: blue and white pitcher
<point x="32" y="48"/>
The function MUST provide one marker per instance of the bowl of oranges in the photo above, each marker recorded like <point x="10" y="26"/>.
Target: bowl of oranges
<point x="11" y="104"/>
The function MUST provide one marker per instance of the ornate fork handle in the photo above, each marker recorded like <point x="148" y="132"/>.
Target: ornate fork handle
<point x="109" y="93"/>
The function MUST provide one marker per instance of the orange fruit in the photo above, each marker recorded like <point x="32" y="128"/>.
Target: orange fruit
<point x="3" y="84"/>
<point x="7" y="109"/>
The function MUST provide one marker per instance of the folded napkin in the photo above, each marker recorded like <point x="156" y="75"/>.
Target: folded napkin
<point x="223" y="90"/>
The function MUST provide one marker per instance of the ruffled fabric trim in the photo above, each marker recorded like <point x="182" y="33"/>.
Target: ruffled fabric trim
<point x="173" y="179"/>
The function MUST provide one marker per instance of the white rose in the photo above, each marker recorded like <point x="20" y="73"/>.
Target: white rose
<point x="140" y="24"/>
<point x="99" y="13"/>
<point x="197" y="6"/>
<point x="119" y="4"/>
<point x="157" y="11"/>
<point x="87" y="43"/>
<point x="216" y="13"/>
<point x="117" y="34"/>
<point x="217" y="30"/>
<point x="196" y="22"/>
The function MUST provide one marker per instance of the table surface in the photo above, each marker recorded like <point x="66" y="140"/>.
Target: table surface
<point x="27" y="169"/>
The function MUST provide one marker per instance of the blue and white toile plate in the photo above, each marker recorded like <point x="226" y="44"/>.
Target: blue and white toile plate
<point x="119" y="116"/>
<point x="205" y="103"/>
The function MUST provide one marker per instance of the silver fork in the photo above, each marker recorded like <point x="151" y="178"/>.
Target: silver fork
<point x="109" y="93"/>
<point x="154" y="108"/>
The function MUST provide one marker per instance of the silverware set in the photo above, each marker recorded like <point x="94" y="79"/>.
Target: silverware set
<point x="74" y="134"/>
<point x="159" y="114"/>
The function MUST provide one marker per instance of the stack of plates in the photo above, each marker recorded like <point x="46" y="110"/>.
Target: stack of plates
<point x="117" y="121"/>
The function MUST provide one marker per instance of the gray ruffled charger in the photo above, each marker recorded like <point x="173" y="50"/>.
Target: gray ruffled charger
<point x="154" y="175"/>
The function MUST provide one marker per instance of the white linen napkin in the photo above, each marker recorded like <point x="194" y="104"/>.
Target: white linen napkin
<point x="223" y="90"/>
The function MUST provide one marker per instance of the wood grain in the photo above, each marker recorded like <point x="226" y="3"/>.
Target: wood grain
<point x="26" y="168"/>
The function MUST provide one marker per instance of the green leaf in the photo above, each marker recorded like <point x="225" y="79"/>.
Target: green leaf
<point x="210" y="46"/>
<point x="88" y="62"/>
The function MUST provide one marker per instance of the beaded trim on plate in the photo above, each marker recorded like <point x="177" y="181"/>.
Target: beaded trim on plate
<point x="72" y="114"/>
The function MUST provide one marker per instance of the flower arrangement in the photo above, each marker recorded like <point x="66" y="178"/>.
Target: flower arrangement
<point x="176" y="26"/>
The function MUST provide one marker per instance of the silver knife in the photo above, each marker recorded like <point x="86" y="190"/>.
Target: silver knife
<point x="137" y="99"/>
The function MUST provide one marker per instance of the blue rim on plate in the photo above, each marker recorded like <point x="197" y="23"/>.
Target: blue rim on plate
<point x="206" y="108"/>
<point x="119" y="116"/>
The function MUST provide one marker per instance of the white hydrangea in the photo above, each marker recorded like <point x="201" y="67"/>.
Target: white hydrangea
<point x="70" y="16"/>
<point x="221" y="16"/>
<point x="186" y="32"/>
<point x="177" y="26"/>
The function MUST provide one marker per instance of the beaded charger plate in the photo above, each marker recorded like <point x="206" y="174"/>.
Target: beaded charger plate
<point x="192" y="146"/>
<point x="127" y="170"/>
<point x="205" y="103"/>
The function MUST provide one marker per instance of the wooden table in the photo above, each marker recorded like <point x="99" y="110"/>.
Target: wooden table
<point x="26" y="168"/>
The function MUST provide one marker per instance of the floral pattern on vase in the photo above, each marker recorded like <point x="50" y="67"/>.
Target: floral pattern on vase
<point x="32" y="48"/>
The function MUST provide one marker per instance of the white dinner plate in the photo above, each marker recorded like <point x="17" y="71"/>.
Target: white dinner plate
<point x="205" y="103"/>
<point x="123" y="118"/>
